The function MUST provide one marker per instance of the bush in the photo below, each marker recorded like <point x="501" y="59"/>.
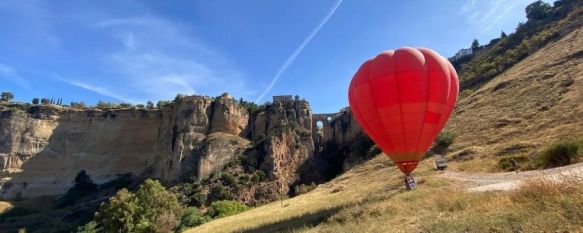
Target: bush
<point x="192" y="217"/>
<point x="230" y="180"/>
<point x="506" y="163"/>
<point x="442" y="142"/>
<point x="192" y="194"/>
<point x="252" y="108"/>
<point x="559" y="154"/>
<point x="304" y="188"/>
<point x="150" y="209"/>
<point x="226" y="208"/>
<point x="217" y="193"/>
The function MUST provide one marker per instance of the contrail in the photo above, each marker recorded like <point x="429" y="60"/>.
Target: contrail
<point x="293" y="56"/>
<point x="500" y="16"/>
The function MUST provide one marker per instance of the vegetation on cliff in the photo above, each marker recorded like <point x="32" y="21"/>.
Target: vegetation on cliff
<point x="544" y="24"/>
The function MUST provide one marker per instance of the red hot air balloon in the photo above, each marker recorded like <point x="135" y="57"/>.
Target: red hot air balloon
<point x="402" y="99"/>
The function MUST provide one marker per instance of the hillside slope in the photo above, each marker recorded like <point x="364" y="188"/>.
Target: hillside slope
<point x="371" y="198"/>
<point x="536" y="102"/>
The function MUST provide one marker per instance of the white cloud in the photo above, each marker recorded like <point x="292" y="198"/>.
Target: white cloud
<point x="10" y="73"/>
<point x="499" y="17"/>
<point x="467" y="6"/>
<point x="161" y="59"/>
<point x="487" y="14"/>
<point x="98" y="89"/>
<point x="293" y="56"/>
<point x="128" y="40"/>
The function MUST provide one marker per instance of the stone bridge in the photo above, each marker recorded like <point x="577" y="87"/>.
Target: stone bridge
<point x="336" y="127"/>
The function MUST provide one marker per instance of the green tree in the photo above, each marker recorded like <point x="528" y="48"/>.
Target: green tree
<point x="537" y="10"/>
<point x="119" y="213"/>
<point x="503" y="35"/>
<point x="475" y="45"/>
<point x="162" y="103"/>
<point x="150" y="209"/>
<point x="149" y="105"/>
<point x="35" y="101"/>
<point x="90" y="227"/>
<point x="6" y="96"/>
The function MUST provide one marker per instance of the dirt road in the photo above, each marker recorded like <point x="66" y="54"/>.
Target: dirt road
<point x="508" y="180"/>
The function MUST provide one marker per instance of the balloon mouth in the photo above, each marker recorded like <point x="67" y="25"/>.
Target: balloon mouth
<point x="407" y="166"/>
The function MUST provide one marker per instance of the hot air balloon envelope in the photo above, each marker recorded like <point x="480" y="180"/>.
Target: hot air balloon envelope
<point x="402" y="99"/>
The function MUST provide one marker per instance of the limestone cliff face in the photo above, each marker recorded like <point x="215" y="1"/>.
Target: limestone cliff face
<point x="183" y="150"/>
<point x="298" y="112"/>
<point x="42" y="151"/>
<point x="285" y="154"/>
<point x="41" y="156"/>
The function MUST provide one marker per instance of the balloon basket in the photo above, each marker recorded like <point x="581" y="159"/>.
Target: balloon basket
<point x="410" y="183"/>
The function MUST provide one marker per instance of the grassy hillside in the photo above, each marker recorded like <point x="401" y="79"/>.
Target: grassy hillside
<point x="536" y="102"/>
<point x="371" y="198"/>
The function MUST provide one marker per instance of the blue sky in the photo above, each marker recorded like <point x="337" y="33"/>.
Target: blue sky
<point x="134" y="51"/>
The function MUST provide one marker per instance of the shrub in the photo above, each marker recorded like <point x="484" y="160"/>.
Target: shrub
<point x="150" y="209"/>
<point x="229" y="180"/>
<point x="217" y="193"/>
<point x="559" y="154"/>
<point x="252" y="108"/>
<point x="192" y="217"/>
<point x="506" y="163"/>
<point x="443" y="141"/>
<point x="304" y="188"/>
<point x="125" y="105"/>
<point x="226" y="208"/>
<point x="80" y="105"/>
<point x="192" y="194"/>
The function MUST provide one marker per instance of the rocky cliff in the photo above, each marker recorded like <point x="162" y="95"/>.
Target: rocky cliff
<point x="44" y="147"/>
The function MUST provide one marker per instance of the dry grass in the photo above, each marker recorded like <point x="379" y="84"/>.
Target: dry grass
<point x="538" y="205"/>
<point x="537" y="101"/>
<point x="371" y="198"/>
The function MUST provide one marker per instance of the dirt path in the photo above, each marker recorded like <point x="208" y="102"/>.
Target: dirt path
<point x="508" y="180"/>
